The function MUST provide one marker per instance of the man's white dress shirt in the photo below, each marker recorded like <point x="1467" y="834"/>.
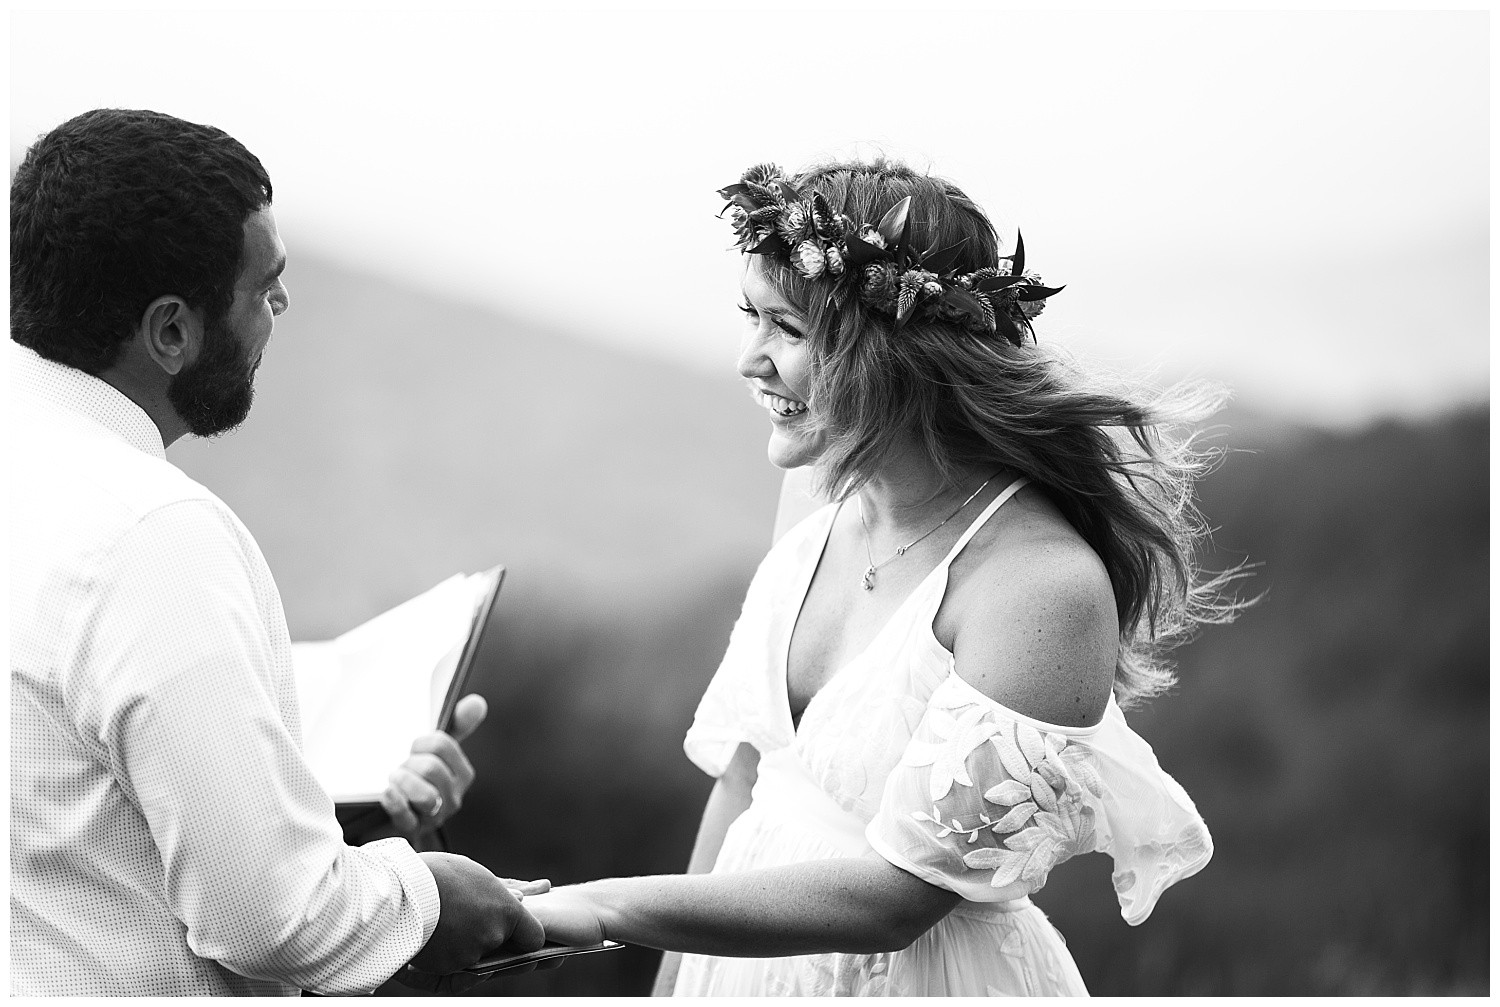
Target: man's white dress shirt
<point x="166" y="836"/>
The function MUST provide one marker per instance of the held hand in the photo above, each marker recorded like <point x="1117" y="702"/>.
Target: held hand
<point x="521" y="889"/>
<point x="479" y="916"/>
<point x="568" y="916"/>
<point x="428" y="788"/>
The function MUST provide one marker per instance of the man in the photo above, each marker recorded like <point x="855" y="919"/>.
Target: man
<point x="166" y="835"/>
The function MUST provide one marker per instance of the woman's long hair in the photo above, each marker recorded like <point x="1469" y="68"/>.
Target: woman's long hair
<point x="1119" y="465"/>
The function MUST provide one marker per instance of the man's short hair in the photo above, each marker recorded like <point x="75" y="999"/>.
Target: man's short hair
<point x="115" y="208"/>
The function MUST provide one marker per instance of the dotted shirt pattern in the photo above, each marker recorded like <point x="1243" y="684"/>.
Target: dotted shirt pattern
<point x="166" y="836"/>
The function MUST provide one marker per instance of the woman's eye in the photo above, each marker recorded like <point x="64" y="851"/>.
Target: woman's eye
<point x="776" y="320"/>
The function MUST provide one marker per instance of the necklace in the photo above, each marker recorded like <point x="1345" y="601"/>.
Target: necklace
<point x="869" y="577"/>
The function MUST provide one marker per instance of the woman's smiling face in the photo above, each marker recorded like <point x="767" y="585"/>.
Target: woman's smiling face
<point x="775" y="360"/>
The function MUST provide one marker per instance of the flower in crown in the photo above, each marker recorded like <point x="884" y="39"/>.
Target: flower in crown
<point x="809" y="260"/>
<point x="877" y="263"/>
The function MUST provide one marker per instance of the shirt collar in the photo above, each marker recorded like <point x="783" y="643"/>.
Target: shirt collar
<point x="80" y="392"/>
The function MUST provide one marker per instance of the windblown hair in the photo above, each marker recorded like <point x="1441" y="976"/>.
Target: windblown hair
<point x="1120" y="466"/>
<point x="115" y="208"/>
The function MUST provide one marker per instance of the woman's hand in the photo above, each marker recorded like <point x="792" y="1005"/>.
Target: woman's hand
<point x="567" y="915"/>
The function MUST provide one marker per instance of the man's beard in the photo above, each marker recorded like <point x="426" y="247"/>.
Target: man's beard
<point x="213" y="395"/>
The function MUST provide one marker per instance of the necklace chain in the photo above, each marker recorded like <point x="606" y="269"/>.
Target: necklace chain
<point x="869" y="576"/>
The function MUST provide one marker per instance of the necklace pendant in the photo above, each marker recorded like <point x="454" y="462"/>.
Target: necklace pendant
<point x="869" y="579"/>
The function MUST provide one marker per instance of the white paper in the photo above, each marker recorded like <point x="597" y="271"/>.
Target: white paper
<point x="367" y="695"/>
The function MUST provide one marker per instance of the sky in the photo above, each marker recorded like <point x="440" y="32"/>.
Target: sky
<point x="1296" y="204"/>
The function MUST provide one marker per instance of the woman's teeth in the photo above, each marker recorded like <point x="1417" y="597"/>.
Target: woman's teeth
<point x="779" y="405"/>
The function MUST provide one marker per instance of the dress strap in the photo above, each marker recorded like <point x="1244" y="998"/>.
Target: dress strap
<point x="984" y="516"/>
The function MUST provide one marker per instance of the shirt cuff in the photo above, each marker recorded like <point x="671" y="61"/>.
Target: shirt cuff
<point x="416" y="880"/>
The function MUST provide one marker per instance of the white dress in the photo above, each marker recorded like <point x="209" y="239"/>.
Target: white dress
<point x="898" y="756"/>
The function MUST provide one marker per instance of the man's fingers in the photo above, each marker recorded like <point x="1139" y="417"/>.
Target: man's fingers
<point x="453" y="982"/>
<point x="394" y="803"/>
<point x="439" y="746"/>
<point x="408" y="791"/>
<point x="418" y="980"/>
<point x="434" y="776"/>
<point x="527" y="935"/>
<point x="468" y="713"/>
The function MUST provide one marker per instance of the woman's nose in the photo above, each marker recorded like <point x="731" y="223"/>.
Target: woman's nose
<point x="753" y="361"/>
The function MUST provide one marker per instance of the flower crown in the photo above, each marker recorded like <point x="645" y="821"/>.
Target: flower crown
<point x="771" y="217"/>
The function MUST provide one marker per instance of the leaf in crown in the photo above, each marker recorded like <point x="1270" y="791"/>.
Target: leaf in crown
<point x="745" y="201"/>
<point x="942" y="260"/>
<point x="730" y="191"/>
<point x="978" y="309"/>
<point x="770" y="245"/>
<point x="1018" y="257"/>
<point x="1034" y="292"/>
<point x="995" y="284"/>
<point x="1007" y="328"/>
<point x="894" y="227"/>
<point x="860" y="250"/>
<point x="821" y="213"/>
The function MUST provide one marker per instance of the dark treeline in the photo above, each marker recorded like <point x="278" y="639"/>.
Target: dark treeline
<point x="1335" y="739"/>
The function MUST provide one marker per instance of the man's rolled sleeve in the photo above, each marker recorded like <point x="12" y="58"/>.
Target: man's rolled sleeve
<point x="416" y="879"/>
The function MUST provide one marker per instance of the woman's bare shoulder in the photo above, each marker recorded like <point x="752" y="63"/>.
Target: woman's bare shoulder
<point x="1035" y="627"/>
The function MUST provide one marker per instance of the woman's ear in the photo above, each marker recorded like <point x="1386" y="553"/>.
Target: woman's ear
<point x="171" y="333"/>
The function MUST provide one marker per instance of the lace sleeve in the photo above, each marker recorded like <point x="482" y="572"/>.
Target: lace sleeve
<point x="986" y="802"/>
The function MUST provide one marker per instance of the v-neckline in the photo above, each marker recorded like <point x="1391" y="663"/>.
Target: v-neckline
<point x="812" y="570"/>
<point x="791" y="631"/>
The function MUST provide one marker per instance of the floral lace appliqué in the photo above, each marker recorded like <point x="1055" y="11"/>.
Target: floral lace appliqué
<point x="1178" y="856"/>
<point x="1040" y="811"/>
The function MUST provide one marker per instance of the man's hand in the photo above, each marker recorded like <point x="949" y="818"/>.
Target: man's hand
<point x="425" y="790"/>
<point x="479" y="915"/>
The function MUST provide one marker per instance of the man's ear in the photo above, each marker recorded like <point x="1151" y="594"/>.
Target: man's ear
<point x="171" y="333"/>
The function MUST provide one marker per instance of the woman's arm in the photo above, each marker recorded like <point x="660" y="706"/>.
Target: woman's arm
<point x="854" y="905"/>
<point x="728" y="800"/>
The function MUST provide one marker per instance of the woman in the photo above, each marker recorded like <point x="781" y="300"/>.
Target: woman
<point x="918" y="715"/>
